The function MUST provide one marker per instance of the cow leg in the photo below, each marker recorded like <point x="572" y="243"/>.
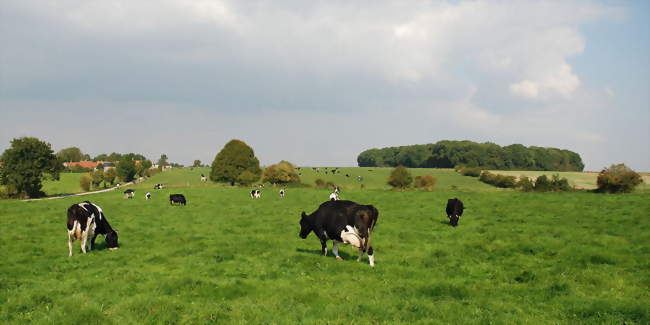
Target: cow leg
<point x="360" y="254"/>
<point x="335" y="250"/>
<point x="371" y="256"/>
<point x="323" y="244"/>
<point x="92" y="242"/>
<point x="70" y="237"/>
<point x="84" y="239"/>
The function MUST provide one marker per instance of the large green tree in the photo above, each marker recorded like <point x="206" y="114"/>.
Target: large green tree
<point x="70" y="154"/>
<point x="126" y="169"/>
<point x="25" y="163"/>
<point x="232" y="161"/>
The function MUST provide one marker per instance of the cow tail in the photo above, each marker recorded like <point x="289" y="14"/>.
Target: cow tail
<point x="370" y="229"/>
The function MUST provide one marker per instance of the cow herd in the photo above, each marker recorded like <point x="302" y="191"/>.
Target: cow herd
<point x="341" y="221"/>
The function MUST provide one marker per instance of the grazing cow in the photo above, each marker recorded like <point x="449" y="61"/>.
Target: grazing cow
<point x="342" y="222"/>
<point x="203" y="178"/>
<point x="454" y="211"/>
<point x="117" y="185"/>
<point x="282" y="192"/>
<point x="334" y="196"/>
<point x="260" y="186"/>
<point x="147" y="196"/>
<point x="87" y="220"/>
<point x="129" y="194"/>
<point x="256" y="194"/>
<point x="177" y="198"/>
<point x="158" y="187"/>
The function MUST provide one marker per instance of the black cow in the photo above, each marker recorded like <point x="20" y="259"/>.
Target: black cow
<point x="342" y="222"/>
<point x="454" y="211"/>
<point x="177" y="198"/>
<point x="86" y="220"/>
<point x="129" y="194"/>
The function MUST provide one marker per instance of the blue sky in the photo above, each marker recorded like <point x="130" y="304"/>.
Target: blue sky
<point x="318" y="82"/>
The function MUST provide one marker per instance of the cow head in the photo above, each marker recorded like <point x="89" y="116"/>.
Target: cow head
<point x="453" y="220"/>
<point x="305" y="226"/>
<point x="111" y="240"/>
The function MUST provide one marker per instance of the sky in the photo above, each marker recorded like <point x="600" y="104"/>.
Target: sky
<point x="318" y="82"/>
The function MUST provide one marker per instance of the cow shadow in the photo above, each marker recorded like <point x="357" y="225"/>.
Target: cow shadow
<point x="343" y="254"/>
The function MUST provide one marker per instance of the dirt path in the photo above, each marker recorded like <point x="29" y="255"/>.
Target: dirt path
<point x="78" y="194"/>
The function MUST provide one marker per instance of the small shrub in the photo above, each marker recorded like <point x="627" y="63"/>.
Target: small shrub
<point x="7" y="191"/>
<point x="471" y="171"/>
<point x="97" y="178"/>
<point x="542" y="184"/>
<point x="618" y="179"/>
<point x="400" y="177"/>
<point x="498" y="180"/>
<point x="559" y="184"/>
<point x="426" y="182"/>
<point x="85" y="182"/>
<point x="525" y="184"/>
<point x="320" y="183"/>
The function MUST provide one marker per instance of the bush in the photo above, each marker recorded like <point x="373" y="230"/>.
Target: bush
<point x="426" y="182"/>
<point x="525" y="184"/>
<point x="320" y="183"/>
<point x="618" y="179"/>
<point x="400" y="177"/>
<point x="247" y="177"/>
<point x="282" y="173"/>
<point x="470" y="171"/>
<point x="109" y="175"/>
<point x="7" y="192"/>
<point x="543" y="184"/>
<point x="85" y="182"/>
<point x="498" y="180"/>
<point x="97" y="178"/>
<point x="559" y="184"/>
<point x="151" y="171"/>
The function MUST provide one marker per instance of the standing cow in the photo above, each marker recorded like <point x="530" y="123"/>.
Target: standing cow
<point x="454" y="211"/>
<point x="342" y="222"/>
<point x="256" y="194"/>
<point x="282" y="192"/>
<point x="129" y="194"/>
<point x="86" y="220"/>
<point x="177" y="198"/>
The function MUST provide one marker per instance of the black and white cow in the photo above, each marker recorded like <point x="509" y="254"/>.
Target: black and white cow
<point x="203" y="178"/>
<point x="282" y="192"/>
<point x="177" y="198"/>
<point x="147" y="196"/>
<point x="87" y="220"/>
<point x="256" y="194"/>
<point x="129" y="194"/>
<point x="334" y="196"/>
<point x="158" y="187"/>
<point x="342" y="222"/>
<point x="454" y="211"/>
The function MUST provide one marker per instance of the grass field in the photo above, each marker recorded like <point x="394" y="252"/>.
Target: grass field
<point x="68" y="183"/>
<point x="539" y="258"/>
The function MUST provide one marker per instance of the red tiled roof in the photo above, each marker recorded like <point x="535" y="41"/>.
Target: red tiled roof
<point x="84" y="164"/>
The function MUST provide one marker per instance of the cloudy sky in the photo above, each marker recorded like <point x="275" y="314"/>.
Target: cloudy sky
<point x="317" y="82"/>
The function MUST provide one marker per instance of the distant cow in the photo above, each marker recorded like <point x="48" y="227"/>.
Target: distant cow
<point x="337" y="190"/>
<point x="158" y="187"/>
<point x="454" y="211"/>
<point x="147" y="196"/>
<point x="87" y="220"/>
<point x="203" y="178"/>
<point x="282" y="192"/>
<point x="129" y="194"/>
<point x="177" y="198"/>
<point x="342" y="222"/>
<point x="334" y="196"/>
<point x="256" y="194"/>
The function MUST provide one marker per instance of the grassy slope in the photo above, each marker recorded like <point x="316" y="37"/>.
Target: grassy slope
<point x="68" y="183"/>
<point x="516" y="257"/>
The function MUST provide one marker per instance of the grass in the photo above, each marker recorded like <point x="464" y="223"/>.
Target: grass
<point x="569" y="258"/>
<point x="68" y="183"/>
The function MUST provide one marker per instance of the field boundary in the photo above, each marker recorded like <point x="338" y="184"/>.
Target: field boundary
<point x="77" y="194"/>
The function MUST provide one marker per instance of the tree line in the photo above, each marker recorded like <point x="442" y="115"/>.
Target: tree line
<point x="450" y="154"/>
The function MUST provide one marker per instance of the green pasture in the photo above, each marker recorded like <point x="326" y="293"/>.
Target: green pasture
<point x="68" y="183"/>
<point x="537" y="258"/>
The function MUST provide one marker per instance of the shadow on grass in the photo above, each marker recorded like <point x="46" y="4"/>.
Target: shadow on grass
<point x="343" y="254"/>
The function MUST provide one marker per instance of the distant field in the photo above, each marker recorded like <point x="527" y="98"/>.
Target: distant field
<point x="536" y="258"/>
<point x="68" y="183"/>
<point x="578" y="179"/>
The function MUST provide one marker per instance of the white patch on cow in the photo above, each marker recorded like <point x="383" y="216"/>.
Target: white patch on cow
<point x="334" y="197"/>
<point x="371" y="258"/>
<point x="325" y="251"/>
<point x="351" y="236"/>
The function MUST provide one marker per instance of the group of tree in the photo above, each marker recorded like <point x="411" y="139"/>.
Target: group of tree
<point x="72" y="154"/>
<point x="114" y="157"/>
<point x="448" y="154"/>
<point x="401" y="178"/>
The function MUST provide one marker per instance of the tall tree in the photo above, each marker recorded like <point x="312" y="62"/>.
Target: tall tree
<point x="232" y="161"/>
<point x="109" y="175"/>
<point x="126" y="169"/>
<point x="70" y="154"/>
<point x="197" y="163"/>
<point x="162" y="162"/>
<point x="25" y="163"/>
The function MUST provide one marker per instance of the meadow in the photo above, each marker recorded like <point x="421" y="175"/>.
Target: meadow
<point x="540" y="258"/>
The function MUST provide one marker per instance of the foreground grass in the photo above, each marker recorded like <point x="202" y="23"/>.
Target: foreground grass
<point x="515" y="258"/>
